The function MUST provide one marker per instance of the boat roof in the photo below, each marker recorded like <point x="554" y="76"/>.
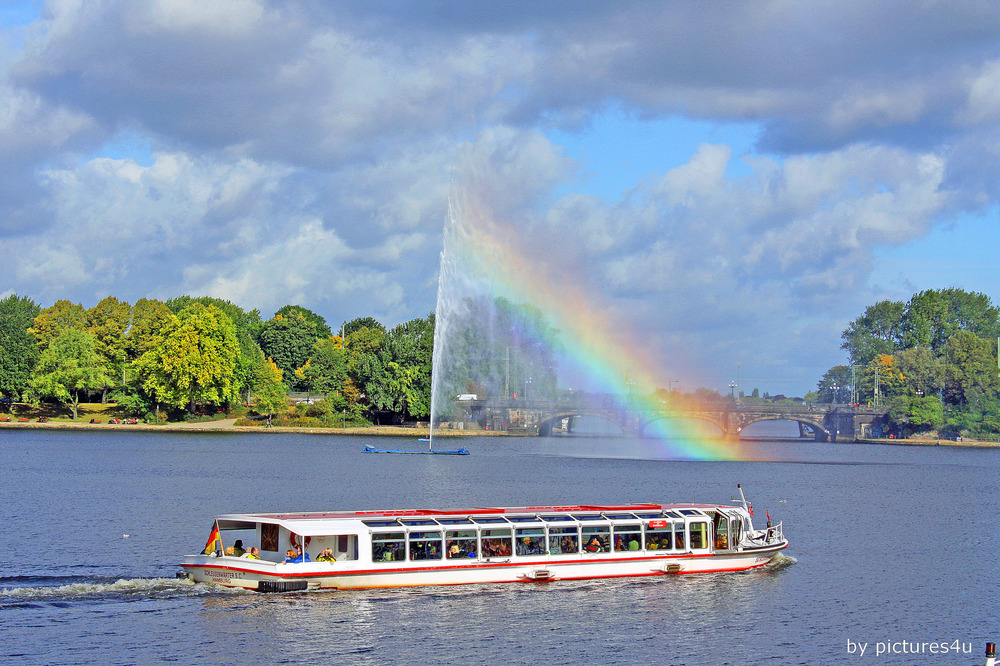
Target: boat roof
<point x="317" y="523"/>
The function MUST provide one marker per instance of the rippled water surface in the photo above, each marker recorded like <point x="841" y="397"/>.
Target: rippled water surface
<point x="889" y="544"/>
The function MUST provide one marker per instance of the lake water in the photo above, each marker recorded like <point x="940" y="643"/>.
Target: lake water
<point x="889" y="544"/>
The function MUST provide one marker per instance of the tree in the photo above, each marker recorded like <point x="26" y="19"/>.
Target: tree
<point x="18" y="347"/>
<point x="288" y="341"/>
<point x="320" y="327"/>
<point x="913" y="413"/>
<point x="878" y="331"/>
<point x="196" y="360"/>
<point x="326" y="369"/>
<point x="53" y="320"/>
<point x="269" y="391"/>
<point x="934" y="316"/>
<point x="150" y="321"/>
<point x="971" y="368"/>
<point x="361" y="322"/>
<point x="69" y="366"/>
<point x="108" y="322"/>
<point x="835" y="385"/>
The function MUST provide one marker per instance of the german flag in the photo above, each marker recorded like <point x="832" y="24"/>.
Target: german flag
<point x="214" y="539"/>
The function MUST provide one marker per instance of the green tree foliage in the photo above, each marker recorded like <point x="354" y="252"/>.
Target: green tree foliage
<point x="878" y="331"/>
<point x="326" y="369"/>
<point x="69" y="367"/>
<point x="835" y="386"/>
<point x="150" y="321"/>
<point x="320" y="327"/>
<point x="108" y="322"/>
<point x="933" y="317"/>
<point x="366" y="367"/>
<point x="912" y="413"/>
<point x="970" y="368"/>
<point x="53" y="320"/>
<point x="940" y="344"/>
<point x="410" y="347"/>
<point x="18" y="347"/>
<point x="362" y="322"/>
<point x="269" y="391"/>
<point x="288" y="341"/>
<point x="195" y="362"/>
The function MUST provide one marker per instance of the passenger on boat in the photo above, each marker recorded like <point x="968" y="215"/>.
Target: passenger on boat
<point x="633" y="544"/>
<point x="252" y="554"/>
<point x="326" y="556"/>
<point x="595" y="545"/>
<point x="292" y="557"/>
<point x="568" y="545"/>
<point x="238" y="548"/>
<point x="455" y="551"/>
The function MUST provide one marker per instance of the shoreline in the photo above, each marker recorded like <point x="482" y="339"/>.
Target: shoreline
<point x="227" y="426"/>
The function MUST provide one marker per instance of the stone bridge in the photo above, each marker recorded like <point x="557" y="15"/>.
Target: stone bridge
<point x="824" y="422"/>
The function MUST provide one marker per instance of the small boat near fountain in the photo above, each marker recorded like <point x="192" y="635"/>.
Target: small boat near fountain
<point x="456" y="452"/>
<point x="348" y="550"/>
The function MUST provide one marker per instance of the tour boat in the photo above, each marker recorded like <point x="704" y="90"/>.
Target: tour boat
<point x="374" y="549"/>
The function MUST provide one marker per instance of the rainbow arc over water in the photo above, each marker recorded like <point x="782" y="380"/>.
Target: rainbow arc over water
<point x="495" y="258"/>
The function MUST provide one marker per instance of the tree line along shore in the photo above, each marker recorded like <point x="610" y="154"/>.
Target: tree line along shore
<point x="931" y="361"/>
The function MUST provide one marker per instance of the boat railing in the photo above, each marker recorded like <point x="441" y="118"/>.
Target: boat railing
<point x="769" y="535"/>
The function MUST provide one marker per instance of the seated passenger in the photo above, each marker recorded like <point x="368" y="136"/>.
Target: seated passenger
<point x="297" y="558"/>
<point x="653" y="543"/>
<point x="238" y="548"/>
<point x="326" y="555"/>
<point x="595" y="545"/>
<point x="455" y="551"/>
<point x="252" y="554"/>
<point x="633" y="544"/>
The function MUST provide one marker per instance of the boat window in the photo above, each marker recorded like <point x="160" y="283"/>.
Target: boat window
<point x="648" y="515"/>
<point x="556" y="518"/>
<point x="522" y="519"/>
<point x="269" y="537"/>
<point x="347" y="547"/>
<point x="734" y="527"/>
<point x="454" y="521"/>
<point x="620" y="516"/>
<point x="659" y="534"/>
<point x="482" y="520"/>
<point x="671" y="514"/>
<point x="591" y="517"/>
<point x="721" y="532"/>
<point x="628" y="537"/>
<point x="563" y="540"/>
<point x="380" y="523"/>
<point x="690" y="512"/>
<point x="699" y="534"/>
<point x="596" y="538"/>
<point x="418" y="522"/>
<point x="425" y="546"/>
<point x="388" y="547"/>
<point x="679" y="536"/>
<point x="530" y="541"/>
<point x="496" y="543"/>
<point x="461" y="543"/>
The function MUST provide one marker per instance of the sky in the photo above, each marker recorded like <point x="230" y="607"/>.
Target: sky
<point x="735" y="181"/>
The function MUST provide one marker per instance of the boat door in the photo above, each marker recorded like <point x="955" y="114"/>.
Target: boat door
<point x="699" y="532"/>
<point x="727" y="528"/>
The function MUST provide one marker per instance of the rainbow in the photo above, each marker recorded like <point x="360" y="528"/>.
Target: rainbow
<point x="491" y="255"/>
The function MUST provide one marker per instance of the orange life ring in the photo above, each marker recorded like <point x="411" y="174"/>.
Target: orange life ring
<point x="292" y="539"/>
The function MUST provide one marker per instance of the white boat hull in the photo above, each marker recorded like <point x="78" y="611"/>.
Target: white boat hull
<point x="241" y="572"/>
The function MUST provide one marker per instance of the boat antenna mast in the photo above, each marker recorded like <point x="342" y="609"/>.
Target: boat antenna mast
<point x="743" y="499"/>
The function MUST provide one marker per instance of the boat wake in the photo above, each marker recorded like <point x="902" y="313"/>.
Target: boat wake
<point x="780" y="561"/>
<point x="24" y="590"/>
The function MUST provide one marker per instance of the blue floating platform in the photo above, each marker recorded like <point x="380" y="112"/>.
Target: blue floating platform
<point x="456" y="452"/>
